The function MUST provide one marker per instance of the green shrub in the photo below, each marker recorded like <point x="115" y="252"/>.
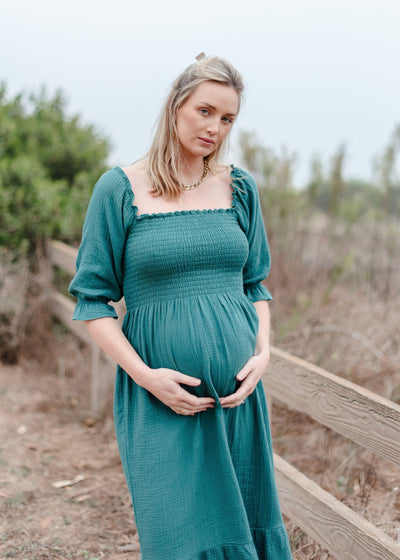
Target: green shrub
<point x="49" y="163"/>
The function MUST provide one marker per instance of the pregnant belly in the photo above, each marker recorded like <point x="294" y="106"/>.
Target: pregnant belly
<point x="208" y="337"/>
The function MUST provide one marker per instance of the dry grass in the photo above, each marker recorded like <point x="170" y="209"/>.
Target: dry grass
<point x="354" y="334"/>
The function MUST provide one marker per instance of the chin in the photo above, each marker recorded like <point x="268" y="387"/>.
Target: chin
<point x="208" y="151"/>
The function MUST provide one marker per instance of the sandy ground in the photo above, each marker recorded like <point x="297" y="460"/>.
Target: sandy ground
<point x="46" y="437"/>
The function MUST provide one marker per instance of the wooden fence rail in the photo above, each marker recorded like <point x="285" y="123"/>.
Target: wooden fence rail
<point x="369" y="420"/>
<point x="354" y="412"/>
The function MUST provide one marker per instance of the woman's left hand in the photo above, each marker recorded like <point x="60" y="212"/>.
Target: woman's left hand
<point x="249" y="376"/>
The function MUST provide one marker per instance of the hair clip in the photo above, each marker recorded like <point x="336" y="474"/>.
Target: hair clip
<point x="200" y="56"/>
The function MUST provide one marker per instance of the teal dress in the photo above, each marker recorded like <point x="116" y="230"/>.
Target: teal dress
<point x="202" y="486"/>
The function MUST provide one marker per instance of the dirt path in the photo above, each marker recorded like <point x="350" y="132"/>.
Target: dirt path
<point x="46" y="437"/>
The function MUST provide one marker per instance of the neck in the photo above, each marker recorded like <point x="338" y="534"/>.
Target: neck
<point x="191" y="170"/>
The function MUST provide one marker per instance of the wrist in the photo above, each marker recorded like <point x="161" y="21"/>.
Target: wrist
<point x="263" y="355"/>
<point x="141" y="374"/>
<point x="262" y="351"/>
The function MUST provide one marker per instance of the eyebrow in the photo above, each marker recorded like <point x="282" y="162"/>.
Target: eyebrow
<point x="214" y="108"/>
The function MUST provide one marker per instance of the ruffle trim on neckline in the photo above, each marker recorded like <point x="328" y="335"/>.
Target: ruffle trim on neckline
<point x="140" y="217"/>
<point x="147" y="216"/>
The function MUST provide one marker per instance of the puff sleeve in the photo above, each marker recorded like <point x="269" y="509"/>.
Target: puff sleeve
<point x="99" y="265"/>
<point x="257" y="266"/>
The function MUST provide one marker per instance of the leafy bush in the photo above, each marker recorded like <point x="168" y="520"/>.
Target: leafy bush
<point x="14" y="280"/>
<point x="49" y="163"/>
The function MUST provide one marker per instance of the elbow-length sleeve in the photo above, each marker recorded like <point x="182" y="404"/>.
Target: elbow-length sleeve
<point x="257" y="266"/>
<point x="99" y="265"/>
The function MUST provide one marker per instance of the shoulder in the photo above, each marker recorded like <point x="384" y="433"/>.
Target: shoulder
<point x="222" y="171"/>
<point x="244" y="179"/>
<point x="137" y="177"/>
<point x="110" y="181"/>
<point x="238" y="178"/>
<point x="245" y="188"/>
<point x="113" y="185"/>
<point x="111" y="194"/>
<point x="136" y="171"/>
<point x="246" y="197"/>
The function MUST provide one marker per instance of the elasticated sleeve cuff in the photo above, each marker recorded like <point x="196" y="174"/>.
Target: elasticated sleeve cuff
<point x="257" y="292"/>
<point x="86" y="310"/>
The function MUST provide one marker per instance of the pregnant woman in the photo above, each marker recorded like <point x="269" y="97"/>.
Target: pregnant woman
<point x="181" y="237"/>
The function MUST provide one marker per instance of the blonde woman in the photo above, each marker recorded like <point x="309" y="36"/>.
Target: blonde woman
<point x="181" y="237"/>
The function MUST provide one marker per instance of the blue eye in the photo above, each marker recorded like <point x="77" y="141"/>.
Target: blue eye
<point x="204" y="111"/>
<point x="227" y="120"/>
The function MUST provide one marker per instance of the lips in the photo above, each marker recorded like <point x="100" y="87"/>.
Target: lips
<point x="207" y="141"/>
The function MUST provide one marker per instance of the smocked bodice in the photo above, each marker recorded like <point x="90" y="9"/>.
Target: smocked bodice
<point x="152" y="258"/>
<point x="181" y="254"/>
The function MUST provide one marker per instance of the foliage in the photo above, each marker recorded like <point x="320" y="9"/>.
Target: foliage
<point x="274" y="175"/>
<point x="14" y="285"/>
<point x="49" y="163"/>
<point x="351" y="200"/>
<point x="335" y="229"/>
<point x="387" y="178"/>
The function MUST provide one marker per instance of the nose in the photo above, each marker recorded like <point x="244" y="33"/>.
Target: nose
<point x="212" y="126"/>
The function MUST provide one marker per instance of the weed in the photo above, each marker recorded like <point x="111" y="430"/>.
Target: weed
<point x="86" y="556"/>
<point x="20" y="471"/>
<point x="16" y="500"/>
<point x="3" y="461"/>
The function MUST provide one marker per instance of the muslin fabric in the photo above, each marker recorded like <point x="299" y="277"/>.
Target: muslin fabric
<point x="203" y="486"/>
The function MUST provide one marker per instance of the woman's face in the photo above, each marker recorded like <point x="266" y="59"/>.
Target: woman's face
<point x="205" y="118"/>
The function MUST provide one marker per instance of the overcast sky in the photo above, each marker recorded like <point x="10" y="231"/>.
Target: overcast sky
<point x="318" y="73"/>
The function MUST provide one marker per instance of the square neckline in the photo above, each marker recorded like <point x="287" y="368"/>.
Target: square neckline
<point x="150" y="215"/>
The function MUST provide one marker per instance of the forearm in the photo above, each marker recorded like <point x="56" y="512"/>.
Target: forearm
<point x="163" y="383"/>
<point x="263" y="336"/>
<point x="107" y="333"/>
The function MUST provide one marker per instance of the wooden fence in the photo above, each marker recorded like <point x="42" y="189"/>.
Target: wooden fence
<point x="369" y="420"/>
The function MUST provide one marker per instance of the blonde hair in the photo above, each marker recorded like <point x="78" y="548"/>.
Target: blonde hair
<point x="163" y="157"/>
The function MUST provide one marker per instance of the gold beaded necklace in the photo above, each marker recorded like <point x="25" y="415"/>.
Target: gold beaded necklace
<point x="205" y="173"/>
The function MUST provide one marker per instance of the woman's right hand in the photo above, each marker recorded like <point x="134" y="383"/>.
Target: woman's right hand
<point x="165" y="384"/>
